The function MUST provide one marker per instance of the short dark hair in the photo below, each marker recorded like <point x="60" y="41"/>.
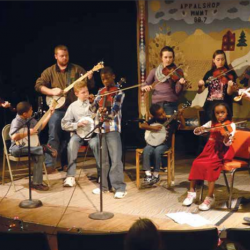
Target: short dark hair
<point x="23" y="107"/>
<point x="154" y="108"/>
<point x="143" y="235"/>
<point x="107" y="70"/>
<point x="229" y="112"/>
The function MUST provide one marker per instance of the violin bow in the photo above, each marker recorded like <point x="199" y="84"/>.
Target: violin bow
<point x="221" y="126"/>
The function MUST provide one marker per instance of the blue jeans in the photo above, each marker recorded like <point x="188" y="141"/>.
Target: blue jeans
<point x="73" y="147"/>
<point x="56" y="135"/>
<point x="112" y="146"/>
<point x="156" y="153"/>
<point x="169" y="108"/>
<point x="37" y="157"/>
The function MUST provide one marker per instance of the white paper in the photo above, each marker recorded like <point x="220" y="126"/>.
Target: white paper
<point x="194" y="220"/>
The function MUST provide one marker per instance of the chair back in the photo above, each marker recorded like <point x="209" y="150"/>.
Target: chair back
<point x="24" y="241"/>
<point x="240" y="235"/>
<point x="205" y="239"/>
<point x="241" y="144"/>
<point x="92" y="241"/>
<point x="6" y="137"/>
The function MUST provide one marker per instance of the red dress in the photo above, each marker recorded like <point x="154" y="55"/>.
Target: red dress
<point x="207" y="166"/>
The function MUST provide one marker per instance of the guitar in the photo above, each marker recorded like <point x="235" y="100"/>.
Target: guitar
<point x="61" y="98"/>
<point x="34" y="139"/>
<point x="154" y="138"/>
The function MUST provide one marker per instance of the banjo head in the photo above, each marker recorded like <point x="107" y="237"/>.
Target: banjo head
<point x="155" y="138"/>
<point x="83" y="131"/>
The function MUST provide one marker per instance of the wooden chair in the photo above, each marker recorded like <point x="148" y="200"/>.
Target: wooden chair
<point x="7" y="157"/>
<point x="170" y="167"/>
<point x="240" y="162"/>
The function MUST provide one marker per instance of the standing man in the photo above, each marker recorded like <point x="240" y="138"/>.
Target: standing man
<point x="52" y="82"/>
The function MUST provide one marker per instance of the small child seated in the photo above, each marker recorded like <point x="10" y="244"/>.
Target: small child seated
<point x="155" y="153"/>
<point x="24" y="112"/>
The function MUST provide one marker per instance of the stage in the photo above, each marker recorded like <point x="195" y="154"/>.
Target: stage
<point x="69" y="208"/>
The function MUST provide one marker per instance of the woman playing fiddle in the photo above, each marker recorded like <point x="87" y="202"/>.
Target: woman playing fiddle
<point x="168" y="80"/>
<point x="220" y="83"/>
<point x="207" y="166"/>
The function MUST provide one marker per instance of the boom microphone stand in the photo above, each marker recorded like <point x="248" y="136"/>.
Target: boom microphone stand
<point x="29" y="203"/>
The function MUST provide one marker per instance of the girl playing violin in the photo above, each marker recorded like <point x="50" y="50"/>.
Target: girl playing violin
<point x="168" y="81"/>
<point x="207" y="166"/>
<point x="220" y="83"/>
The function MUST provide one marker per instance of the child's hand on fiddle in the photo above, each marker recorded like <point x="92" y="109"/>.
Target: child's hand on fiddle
<point x="102" y="110"/>
<point x="227" y="136"/>
<point x="182" y="81"/>
<point x="91" y="98"/>
<point x="201" y="83"/>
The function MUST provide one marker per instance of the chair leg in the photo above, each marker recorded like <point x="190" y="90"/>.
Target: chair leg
<point x="137" y="158"/>
<point x="3" y="171"/>
<point x="11" y="175"/>
<point x="169" y="170"/>
<point x="231" y="189"/>
<point x="226" y="181"/>
<point x="46" y="174"/>
<point x="172" y="167"/>
<point x="201" y="192"/>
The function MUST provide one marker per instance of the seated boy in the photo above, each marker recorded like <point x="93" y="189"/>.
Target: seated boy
<point x="70" y="122"/>
<point x="154" y="153"/>
<point x="24" y="112"/>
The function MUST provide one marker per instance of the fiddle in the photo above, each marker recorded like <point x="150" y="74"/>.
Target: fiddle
<point x="174" y="72"/>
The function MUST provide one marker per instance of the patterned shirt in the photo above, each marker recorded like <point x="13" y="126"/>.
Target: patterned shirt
<point x="113" y="123"/>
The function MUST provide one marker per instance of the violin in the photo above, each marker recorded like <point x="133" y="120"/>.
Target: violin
<point x="222" y="75"/>
<point x="174" y="72"/>
<point x="108" y="93"/>
<point x="223" y="128"/>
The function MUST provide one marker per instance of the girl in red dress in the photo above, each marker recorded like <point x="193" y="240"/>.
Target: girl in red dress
<point x="207" y="166"/>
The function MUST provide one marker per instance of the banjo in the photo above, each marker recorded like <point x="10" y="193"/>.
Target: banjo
<point x="154" y="138"/>
<point x="34" y="139"/>
<point x="85" y="130"/>
<point x="61" y="98"/>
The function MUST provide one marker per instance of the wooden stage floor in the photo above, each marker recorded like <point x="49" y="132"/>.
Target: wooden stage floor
<point x="69" y="208"/>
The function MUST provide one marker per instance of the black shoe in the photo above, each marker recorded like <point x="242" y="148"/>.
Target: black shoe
<point x="147" y="179"/>
<point x="40" y="187"/>
<point x="154" y="180"/>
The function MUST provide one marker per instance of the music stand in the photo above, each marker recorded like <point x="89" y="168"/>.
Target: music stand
<point x="29" y="203"/>
<point x="100" y="215"/>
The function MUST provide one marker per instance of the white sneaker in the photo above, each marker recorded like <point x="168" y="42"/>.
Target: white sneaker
<point x="190" y="199"/>
<point x="69" y="182"/>
<point x="120" y="194"/>
<point x="207" y="203"/>
<point x="98" y="191"/>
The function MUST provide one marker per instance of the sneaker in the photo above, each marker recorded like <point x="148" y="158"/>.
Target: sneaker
<point x="97" y="191"/>
<point x="207" y="203"/>
<point x="190" y="199"/>
<point x="120" y="194"/>
<point x="69" y="182"/>
<point x="154" y="180"/>
<point x="40" y="187"/>
<point x="147" y="179"/>
<point x="49" y="150"/>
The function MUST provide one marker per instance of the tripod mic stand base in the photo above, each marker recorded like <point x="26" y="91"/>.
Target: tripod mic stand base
<point x="101" y="216"/>
<point x="30" y="204"/>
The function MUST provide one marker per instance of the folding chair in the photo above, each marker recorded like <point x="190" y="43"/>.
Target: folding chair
<point x="241" y="149"/>
<point x="170" y="154"/>
<point x="7" y="157"/>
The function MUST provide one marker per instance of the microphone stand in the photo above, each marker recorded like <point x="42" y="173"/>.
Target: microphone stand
<point x="101" y="215"/>
<point x="29" y="203"/>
